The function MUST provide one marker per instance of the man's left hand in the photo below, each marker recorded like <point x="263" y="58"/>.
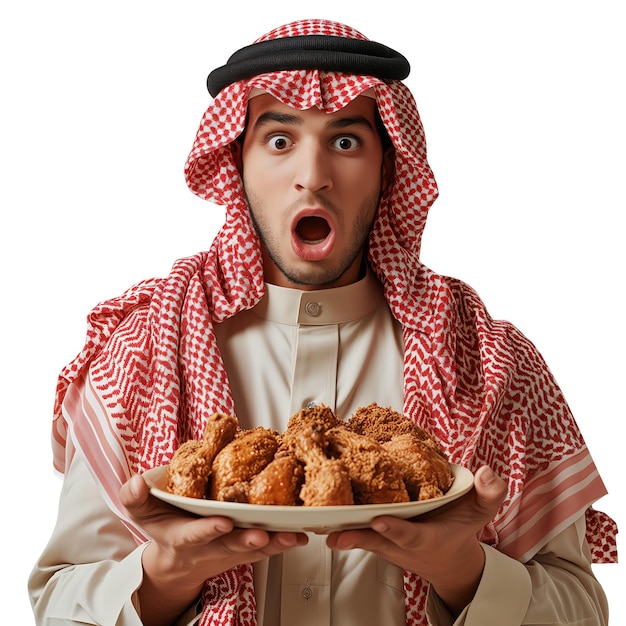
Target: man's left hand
<point x="441" y="546"/>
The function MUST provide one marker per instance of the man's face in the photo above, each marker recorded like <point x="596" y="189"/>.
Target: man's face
<point x="313" y="183"/>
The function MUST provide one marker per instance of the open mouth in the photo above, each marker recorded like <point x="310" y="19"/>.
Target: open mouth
<point x="312" y="235"/>
<point x="312" y="229"/>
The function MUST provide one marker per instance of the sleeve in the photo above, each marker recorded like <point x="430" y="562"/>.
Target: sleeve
<point x="556" y="587"/>
<point x="91" y="568"/>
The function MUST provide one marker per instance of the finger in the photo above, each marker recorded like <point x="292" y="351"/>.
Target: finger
<point x="350" y="539"/>
<point x="203" y="530"/>
<point x="291" y="540"/>
<point x="398" y="532"/>
<point x="258" y="544"/>
<point x="245" y="540"/>
<point x="275" y="542"/>
<point x="153" y="515"/>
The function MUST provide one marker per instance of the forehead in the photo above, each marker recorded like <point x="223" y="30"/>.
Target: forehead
<point x="360" y="110"/>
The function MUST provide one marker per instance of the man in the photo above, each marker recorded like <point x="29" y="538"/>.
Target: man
<point x="313" y="292"/>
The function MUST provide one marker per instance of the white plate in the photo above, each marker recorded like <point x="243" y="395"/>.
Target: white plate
<point x="318" y="519"/>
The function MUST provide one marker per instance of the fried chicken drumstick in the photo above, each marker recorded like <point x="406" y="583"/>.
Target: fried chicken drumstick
<point x="326" y="480"/>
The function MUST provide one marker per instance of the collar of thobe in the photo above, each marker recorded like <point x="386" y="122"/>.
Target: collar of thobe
<point x="285" y="305"/>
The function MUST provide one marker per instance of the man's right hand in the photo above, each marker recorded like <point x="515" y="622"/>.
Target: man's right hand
<point x="186" y="550"/>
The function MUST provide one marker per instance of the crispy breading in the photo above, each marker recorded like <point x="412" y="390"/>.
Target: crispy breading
<point x="318" y="415"/>
<point x="383" y="423"/>
<point x="374" y="474"/>
<point x="188" y="472"/>
<point x="426" y="472"/>
<point x="326" y="480"/>
<point x="377" y="457"/>
<point x="278" y="483"/>
<point x="236" y="463"/>
<point x="219" y="431"/>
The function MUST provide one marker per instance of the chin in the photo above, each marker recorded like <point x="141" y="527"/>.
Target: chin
<point x="319" y="278"/>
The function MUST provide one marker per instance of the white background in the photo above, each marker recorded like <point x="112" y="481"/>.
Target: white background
<point x="523" y="105"/>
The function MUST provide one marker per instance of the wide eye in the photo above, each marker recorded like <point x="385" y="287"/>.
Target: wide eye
<point x="346" y="143"/>
<point x="279" y="142"/>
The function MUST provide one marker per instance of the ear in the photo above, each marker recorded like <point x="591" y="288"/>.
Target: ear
<point x="388" y="168"/>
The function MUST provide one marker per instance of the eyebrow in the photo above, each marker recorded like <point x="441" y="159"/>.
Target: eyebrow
<point x="273" y="116"/>
<point x="295" y="120"/>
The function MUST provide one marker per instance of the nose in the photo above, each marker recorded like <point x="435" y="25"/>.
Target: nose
<point x="313" y="168"/>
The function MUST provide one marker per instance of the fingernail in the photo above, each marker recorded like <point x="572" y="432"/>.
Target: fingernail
<point x="487" y="476"/>
<point x="134" y="485"/>
<point x="380" y="527"/>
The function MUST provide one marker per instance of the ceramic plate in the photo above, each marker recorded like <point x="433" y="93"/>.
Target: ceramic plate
<point x="320" y="519"/>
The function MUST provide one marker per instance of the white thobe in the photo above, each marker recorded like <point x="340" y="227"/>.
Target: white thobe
<point x="338" y="347"/>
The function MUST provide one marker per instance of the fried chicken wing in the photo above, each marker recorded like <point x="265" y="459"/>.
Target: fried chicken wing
<point x="326" y="480"/>
<point x="236" y="463"/>
<point x="278" y="483"/>
<point x="375" y="476"/>
<point x="426" y="472"/>
<point x="190" y="468"/>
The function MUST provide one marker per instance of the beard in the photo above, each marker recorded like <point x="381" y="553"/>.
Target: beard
<point x="315" y="273"/>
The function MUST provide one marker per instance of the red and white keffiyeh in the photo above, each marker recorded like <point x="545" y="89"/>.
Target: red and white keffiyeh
<point x="150" y="371"/>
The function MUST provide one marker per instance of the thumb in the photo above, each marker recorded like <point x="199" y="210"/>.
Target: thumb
<point x="490" y="489"/>
<point x="134" y="494"/>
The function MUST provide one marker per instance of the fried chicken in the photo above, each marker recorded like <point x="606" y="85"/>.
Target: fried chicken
<point x="236" y="463"/>
<point x="319" y="415"/>
<point x="326" y="480"/>
<point x="382" y="424"/>
<point x="219" y="430"/>
<point x="426" y="472"/>
<point x="377" y="457"/>
<point x="374" y="475"/>
<point x="190" y="468"/>
<point x="278" y="483"/>
<point x="424" y="466"/>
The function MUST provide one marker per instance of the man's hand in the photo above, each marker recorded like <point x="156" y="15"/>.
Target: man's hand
<point x="442" y="546"/>
<point x="185" y="550"/>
